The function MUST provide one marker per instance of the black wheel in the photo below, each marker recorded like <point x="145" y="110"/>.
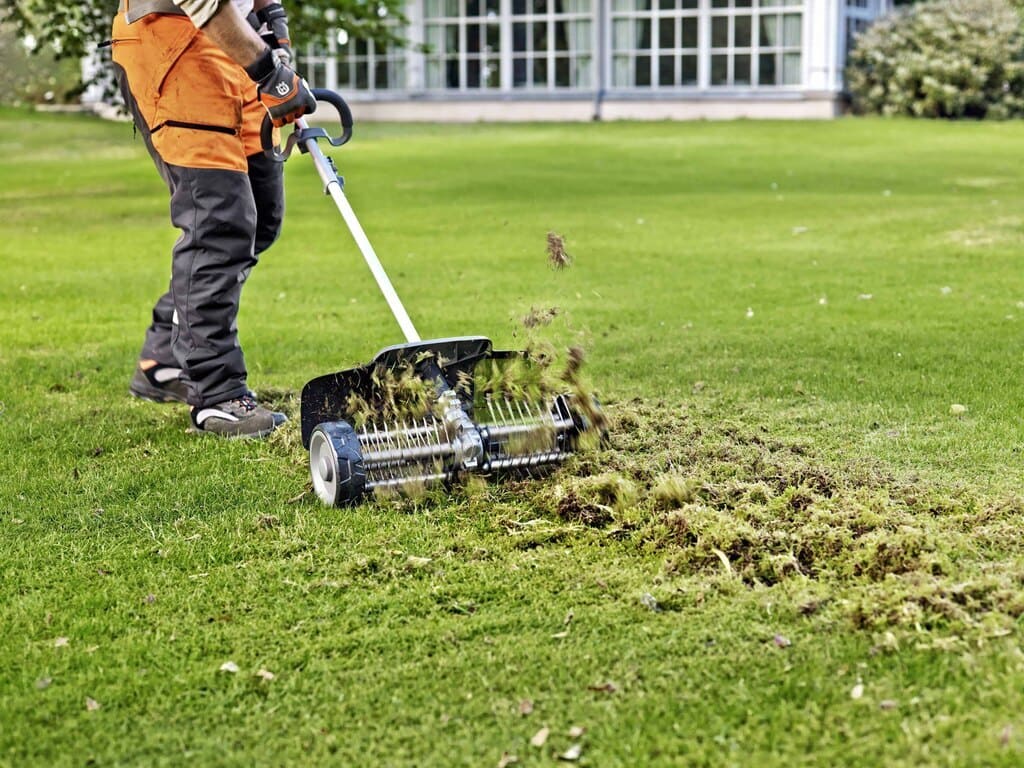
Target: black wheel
<point x="336" y="463"/>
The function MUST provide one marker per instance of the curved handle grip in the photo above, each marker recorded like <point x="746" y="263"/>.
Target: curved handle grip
<point x="303" y="132"/>
<point x="334" y="99"/>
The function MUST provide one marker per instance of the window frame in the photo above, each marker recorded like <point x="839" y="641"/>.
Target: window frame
<point x="706" y="11"/>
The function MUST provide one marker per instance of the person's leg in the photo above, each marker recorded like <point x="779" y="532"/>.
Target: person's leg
<point x="157" y="376"/>
<point x="190" y="97"/>
<point x="216" y="213"/>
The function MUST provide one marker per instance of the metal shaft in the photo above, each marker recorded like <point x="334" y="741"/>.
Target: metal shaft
<point x="332" y="187"/>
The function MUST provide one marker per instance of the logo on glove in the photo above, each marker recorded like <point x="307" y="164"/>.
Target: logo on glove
<point x="282" y="88"/>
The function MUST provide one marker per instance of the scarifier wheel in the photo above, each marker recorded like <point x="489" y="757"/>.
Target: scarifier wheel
<point x="336" y="463"/>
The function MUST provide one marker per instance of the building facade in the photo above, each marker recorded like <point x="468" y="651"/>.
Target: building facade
<point x="600" y="59"/>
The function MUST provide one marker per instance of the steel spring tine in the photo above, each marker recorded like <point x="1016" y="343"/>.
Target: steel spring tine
<point x="545" y="412"/>
<point x="519" y="407"/>
<point x="428" y="439"/>
<point x="382" y="438"/>
<point x="363" y="445"/>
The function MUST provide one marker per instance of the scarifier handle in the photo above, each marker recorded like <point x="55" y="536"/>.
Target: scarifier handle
<point x="302" y="130"/>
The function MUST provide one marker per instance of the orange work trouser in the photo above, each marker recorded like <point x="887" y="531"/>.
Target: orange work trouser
<point x="199" y="105"/>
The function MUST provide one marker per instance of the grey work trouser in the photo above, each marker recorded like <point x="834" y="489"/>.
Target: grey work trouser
<point x="226" y="218"/>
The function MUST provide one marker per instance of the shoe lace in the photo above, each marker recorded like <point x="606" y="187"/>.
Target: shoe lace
<point x="247" y="403"/>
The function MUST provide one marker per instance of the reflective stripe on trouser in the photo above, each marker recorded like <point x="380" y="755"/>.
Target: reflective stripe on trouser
<point x="198" y="113"/>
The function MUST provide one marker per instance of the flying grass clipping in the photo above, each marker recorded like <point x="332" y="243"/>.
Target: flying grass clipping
<point x="558" y="257"/>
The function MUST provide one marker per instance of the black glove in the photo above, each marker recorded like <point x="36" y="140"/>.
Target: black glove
<point x="276" y="21"/>
<point x="285" y="95"/>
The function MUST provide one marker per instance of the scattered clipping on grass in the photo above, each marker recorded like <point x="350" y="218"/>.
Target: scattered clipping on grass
<point x="572" y="754"/>
<point x="557" y="255"/>
<point x="730" y="507"/>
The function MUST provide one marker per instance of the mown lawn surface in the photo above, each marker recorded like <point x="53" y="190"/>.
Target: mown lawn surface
<point x="794" y="551"/>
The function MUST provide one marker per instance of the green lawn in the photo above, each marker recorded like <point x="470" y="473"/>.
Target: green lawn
<point x="792" y="553"/>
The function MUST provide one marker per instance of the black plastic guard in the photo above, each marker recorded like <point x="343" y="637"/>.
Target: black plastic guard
<point x="326" y="398"/>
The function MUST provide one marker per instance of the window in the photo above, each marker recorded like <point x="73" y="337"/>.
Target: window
<point x="362" y="68"/>
<point x="552" y="43"/>
<point x="716" y="43"/>
<point x="530" y="46"/>
<point x="780" y="41"/>
<point x="756" y="42"/>
<point x="534" y="45"/>
<point x="464" y="40"/>
<point x="655" y="43"/>
<point x="859" y="15"/>
<point x="354" y="64"/>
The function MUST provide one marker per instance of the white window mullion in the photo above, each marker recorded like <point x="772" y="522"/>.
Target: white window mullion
<point x="677" y="53"/>
<point x="755" y="48"/>
<point x="730" y="52"/>
<point x="549" y="25"/>
<point x="607" y="61"/>
<point x="415" y="59"/>
<point x="655" y="43"/>
<point x="505" y="38"/>
<point x="331" y="61"/>
<point x="704" y="45"/>
<point x="462" y="53"/>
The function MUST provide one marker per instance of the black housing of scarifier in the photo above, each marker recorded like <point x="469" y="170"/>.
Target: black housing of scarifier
<point x="328" y="398"/>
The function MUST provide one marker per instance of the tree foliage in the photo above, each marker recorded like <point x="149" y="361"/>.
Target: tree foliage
<point x="941" y="58"/>
<point x="73" y="28"/>
<point x="34" y="78"/>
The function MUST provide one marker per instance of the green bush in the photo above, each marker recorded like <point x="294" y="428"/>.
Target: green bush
<point x="941" y="58"/>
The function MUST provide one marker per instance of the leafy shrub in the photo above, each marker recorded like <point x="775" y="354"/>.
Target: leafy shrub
<point x="941" y="58"/>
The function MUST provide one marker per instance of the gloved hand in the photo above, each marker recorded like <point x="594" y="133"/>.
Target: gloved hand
<point x="276" y="22"/>
<point x="285" y="95"/>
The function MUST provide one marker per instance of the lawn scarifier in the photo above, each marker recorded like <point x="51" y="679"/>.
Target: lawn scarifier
<point x="425" y="412"/>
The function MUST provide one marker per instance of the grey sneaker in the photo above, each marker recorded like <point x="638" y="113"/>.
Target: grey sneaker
<point x="241" y="417"/>
<point x="159" y="384"/>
